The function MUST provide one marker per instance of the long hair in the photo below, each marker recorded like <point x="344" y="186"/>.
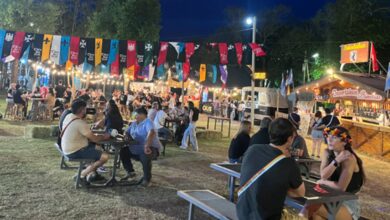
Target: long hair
<point x="244" y="127"/>
<point x="345" y="136"/>
<point x="113" y="110"/>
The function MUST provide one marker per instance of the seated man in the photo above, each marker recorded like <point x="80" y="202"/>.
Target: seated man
<point x="19" y="98"/>
<point x="262" y="136"/>
<point x="75" y="140"/>
<point x="263" y="192"/>
<point x="159" y="122"/>
<point x="146" y="148"/>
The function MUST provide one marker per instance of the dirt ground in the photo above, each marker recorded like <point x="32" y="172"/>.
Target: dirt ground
<point x="33" y="187"/>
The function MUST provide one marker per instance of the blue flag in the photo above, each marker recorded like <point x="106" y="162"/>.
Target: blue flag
<point x="160" y="71"/>
<point x="215" y="73"/>
<point x="2" y="36"/>
<point x="24" y="57"/>
<point x="387" y="85"/>
<point x="105" y="68"/>
<point x="283" y="87"/>
<point x="64" y="52"/>
<point x="179" y="70"/>
<point x="113" y="51"/>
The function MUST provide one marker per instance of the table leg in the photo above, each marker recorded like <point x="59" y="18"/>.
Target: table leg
<point x="230" y="121"/>
<point x="208" y="120"/>
<point x="215" y="124"/>
<point x="112" y="181"/>
<point x="222" y="127"/>
<point x="333" y="208"/>
<point x="191" y="212"/>
<point x="231" y="188"/>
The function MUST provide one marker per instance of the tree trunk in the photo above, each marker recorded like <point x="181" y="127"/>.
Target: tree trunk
<point x="15" y="71"/>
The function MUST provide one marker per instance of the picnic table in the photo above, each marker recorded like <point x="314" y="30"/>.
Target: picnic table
<point x="35" y="108"/>
<point x="308" y="163"/>
<point x="117" y="144"/>
<point x="222" y="119"/>
<point x="332" y="199"/>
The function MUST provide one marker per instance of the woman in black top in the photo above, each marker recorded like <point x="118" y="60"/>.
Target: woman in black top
<point x="112" y="118"/>
<point x="240" y="143"/>
<point x="341" y="169"/>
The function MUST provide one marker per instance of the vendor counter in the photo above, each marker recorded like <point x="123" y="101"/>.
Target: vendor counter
<point x="370" y="138"/>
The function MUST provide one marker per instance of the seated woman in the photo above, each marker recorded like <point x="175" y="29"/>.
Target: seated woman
<point x="341" y="169"/>
<point x="10" y="97"/>
<point x="112" y="118"/>
<point x="48" y="104"/>
<point x="240" y="143"/>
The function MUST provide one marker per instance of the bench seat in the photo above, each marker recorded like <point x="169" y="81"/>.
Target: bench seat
<point x="210" y="202"/>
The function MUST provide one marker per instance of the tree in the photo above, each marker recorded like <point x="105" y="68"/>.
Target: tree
<point x="30" y="15"/>
<point x="126" y="19"/>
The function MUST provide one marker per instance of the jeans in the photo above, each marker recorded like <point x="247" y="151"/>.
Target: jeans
<point x="191" y="134"/>
<point x="164" y="133"/>
<point x="145" y="159"/>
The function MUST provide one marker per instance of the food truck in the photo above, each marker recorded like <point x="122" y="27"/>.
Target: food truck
<point x="267" y="101"/>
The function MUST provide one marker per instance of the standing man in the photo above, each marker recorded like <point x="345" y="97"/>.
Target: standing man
<point x="190" y="132"/>
<point x="294" y="118"/>
<point x="263" y="192"/>
<point x="60" y="90"/>
<point x="159" y="122"/>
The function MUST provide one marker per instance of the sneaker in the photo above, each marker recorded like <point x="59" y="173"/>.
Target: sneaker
<point x="83" y="180"/>
<point x="145" y="183"/>
<point x="183" y="148"/>
<point x="95" y="177"/>
<point x="129" y="175"/>
<point x="102" y="169"/>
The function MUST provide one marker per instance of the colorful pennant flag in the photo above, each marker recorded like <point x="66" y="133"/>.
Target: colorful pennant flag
<point x="161" y="59"/>
<point x="28" y="40"/>
<point x="257" y="50"/>
<point x="64" y="53"/>
<point x="8" y="39"/>
<point x="55" y="49"/>
<point x="82" y="50"/>
<point x="140" y="53"/>
<point x="223" y="53"/>
<point x="122" y="55"/>
<point x="36" y="52"/>
<point x="106" y="51"/>
<point x="215" y="73"/>
<point x="47" y="40"/>
<point x="202" y="72"/>
<point x="17" y="45"/>
<point x="98" y="51"/>
<point x="186" y="70"/>
<point x="179" y="71"/>
<point x="190" y="49"/>
<point x="2" y="36"/>
<point x="90" y="51"/>
<point x="115" y="66"/>
<point x="387" y="85"/>
<point x="232" y="54"/>
<point x="374" y="61"/>
<point x="74" y="50"/>
<point x="113" y="51"/>
<point x="224" y="74"/>
<point x="131" y="54"/>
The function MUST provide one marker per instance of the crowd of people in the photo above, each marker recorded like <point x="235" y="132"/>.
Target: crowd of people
<point x="268" y="174"/>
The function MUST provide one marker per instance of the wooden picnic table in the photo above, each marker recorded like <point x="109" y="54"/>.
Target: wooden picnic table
<point x="332" y="200"/>
<point x="35" y="108"/>
<point x="222" y="119"/>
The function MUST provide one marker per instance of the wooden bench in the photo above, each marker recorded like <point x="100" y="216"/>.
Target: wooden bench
<point x="210" y="202"/>
<point x="82" y="163"/>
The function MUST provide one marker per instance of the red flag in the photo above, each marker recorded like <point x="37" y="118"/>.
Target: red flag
<point x="190" y="48"/>
<point x="162" y="56"/>
<point x="74" y="50"/>
<point x="257" y="50"/>
<point x="186" y="70"/>
<point x="239" y="52"/>
<point x="375" y="66"/>
<point x="223" y="53"/>
<point x="115" y="66"/>
<point x="17" y="45"/>
<point x="131" y="53"/>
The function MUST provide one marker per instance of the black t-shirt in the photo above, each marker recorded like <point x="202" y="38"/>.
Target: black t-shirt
<point x="239" y="145"/>
<point x="264" y="199"/>
<point x="195" y="116"/>
<point x="300" y="143"/>
<point x="261" y="137"/>
<point x="18" y="97"/>
<point x="60" y="89"/>
<point x="334" y="121"/>
<point x="123" y="99"/>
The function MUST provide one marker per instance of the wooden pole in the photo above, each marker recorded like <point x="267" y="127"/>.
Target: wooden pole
<point x="15" y="69"/>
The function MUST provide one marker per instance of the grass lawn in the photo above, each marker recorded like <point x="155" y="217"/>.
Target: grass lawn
<point x="33" y="187"/>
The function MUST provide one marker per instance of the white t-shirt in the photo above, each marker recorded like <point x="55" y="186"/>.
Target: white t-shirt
<point x="152" y="114"/>
<point x="159" y="120"/>
<point x="74" y="137"/>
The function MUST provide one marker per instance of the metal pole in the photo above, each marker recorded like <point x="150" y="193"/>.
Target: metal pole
<point x="253" y="72"/>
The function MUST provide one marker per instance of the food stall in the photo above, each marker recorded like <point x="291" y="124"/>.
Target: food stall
<point x="360" y="103"/>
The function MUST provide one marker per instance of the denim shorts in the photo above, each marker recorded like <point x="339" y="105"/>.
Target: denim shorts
<point x="353" y="207"/>
<point x="88" y="152"/>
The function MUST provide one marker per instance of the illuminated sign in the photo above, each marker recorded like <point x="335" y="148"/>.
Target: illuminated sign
<point x="355" y="53"/>
<point x="259" y="75"/>
<point x="355" y="93"/>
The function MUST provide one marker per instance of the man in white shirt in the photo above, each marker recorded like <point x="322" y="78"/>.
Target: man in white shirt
<point x="153" y="111"/>
<point x="77" y="137"/>
<point x="159" y="122"/>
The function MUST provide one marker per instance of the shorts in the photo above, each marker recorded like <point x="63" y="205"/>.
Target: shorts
<point x="353" y="207"/>
<point x="88" y="152"/>
<point x="317" y="134"/>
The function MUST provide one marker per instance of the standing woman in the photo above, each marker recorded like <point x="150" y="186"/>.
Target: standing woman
<point x="317" y="134"/>
<point x="341" y="169"/>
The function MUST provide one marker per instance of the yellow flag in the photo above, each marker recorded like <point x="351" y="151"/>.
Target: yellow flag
<point x="47" y="39"/>
<point x="130" y="72"/>
<point x="98" y="50"/>
<point x="68" y="66"/>
<point x="202" y="73"/>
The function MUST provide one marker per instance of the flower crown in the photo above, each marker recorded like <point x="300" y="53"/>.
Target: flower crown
<point x="337" y="132"/>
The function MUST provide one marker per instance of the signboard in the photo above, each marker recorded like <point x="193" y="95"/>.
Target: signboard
<point x="355" y="93"/>
<point x="355" y="53"/>
<point x="305" y="108"/>
<point x="259" y="75"/>
<point x="208" y="108"/>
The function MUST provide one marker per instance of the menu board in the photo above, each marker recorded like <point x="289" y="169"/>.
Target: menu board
<point x="304" y="110"/>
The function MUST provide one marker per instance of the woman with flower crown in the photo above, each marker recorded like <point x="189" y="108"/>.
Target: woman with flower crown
<point x="340" y="169"/>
